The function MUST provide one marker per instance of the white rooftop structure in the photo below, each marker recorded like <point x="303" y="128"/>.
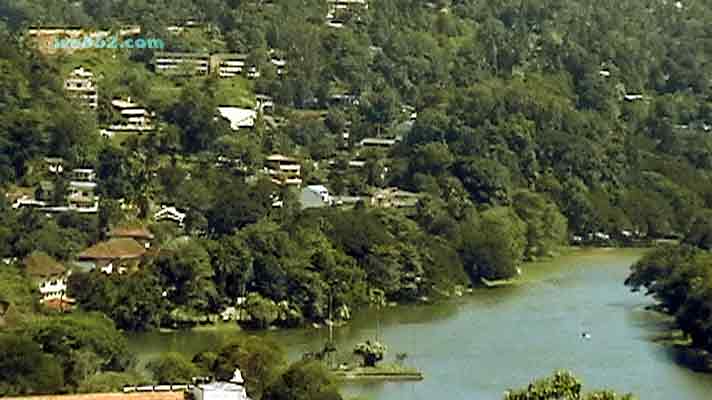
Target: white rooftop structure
<point x="171" y="214"/>
<point x="239" y="117"/>
<point x="232" y="390"/>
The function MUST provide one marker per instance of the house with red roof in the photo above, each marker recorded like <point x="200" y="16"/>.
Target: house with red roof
<point x="117" y="254"/>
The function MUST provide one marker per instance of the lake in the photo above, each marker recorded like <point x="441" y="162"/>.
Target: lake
<point x="479" y="345"/>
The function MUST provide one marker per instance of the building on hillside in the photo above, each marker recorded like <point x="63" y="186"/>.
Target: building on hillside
<point x="81" y="86"/>
<point x="83" y="175"/>
<point x="633" y="97"/>
<point x="280" y="64"/>
<point x="172" y="214"/>
<point x="265" y="103"/>
<point x="54" y="165"/>
<point x="49" y="275"/>
<point x="377" y="143"/>
<point x="228" y="65"/>
<point x="315" y="196"/>
<point x="231" y="390"/>
<point x="82" y="190"/>
<point x="181" y="63"/>
<point x="240" y="118"/>
<point x="394" y="198"/>
<point x="80" y="194"/>
<point x="283" y="170"/>
<point x="138" y="233"/>
<point x="184" y="26"/>
<point x="343" y="100"/>
<point x="338" y="11"/>
<point x="118" y="255"/>
<point x="133" y="118"/>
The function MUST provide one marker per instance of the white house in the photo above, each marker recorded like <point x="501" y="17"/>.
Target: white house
<point x="49" y="275"/>
<point x="315" y="196"/>
<point x="239" y="118"/>
<point x="232" y="390"/>
<point x="283" y="170"/>
<point x="81" y="85"/>
<point x="170" y="214"/>
<point x="134" y="118"/>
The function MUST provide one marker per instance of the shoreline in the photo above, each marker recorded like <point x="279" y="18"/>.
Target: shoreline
<point x="673" y="338"/>
<point x="522" y="279"/>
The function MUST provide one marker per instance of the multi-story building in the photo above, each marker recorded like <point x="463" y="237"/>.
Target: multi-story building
<point x="134" y="118"/>
<point x="181" y="63"/>
<point x="229" y="65"/>
<point x="81" y="86"/>
<point x="82" y="190"/>
<point x="284" y="170"/>
<point x="49" y="275"/>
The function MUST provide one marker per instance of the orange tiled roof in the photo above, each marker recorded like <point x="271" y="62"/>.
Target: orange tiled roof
<point x="113" y="249"/>
<point x="109" y="396"/>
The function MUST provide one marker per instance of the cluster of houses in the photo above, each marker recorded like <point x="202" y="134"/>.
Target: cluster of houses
<point x="81" y="86"/>
<point x="132" y="118"/>
<point x="223" y="65"/>
<point x="122" y="252"/>
<point x="80" y="194"/>
<point x="339" y="11"/>
<point x="319" y="196"/>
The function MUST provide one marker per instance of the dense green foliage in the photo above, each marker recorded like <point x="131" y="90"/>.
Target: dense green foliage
<point x="523" y="135"/>
<point x="680" y="278"/>
<point x="172" y="368"/>
<point x="58" y="353"/>
<point x="562" y="385"/>
<point x="536" y="120"/>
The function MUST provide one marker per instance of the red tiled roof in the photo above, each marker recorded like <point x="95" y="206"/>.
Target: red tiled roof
<point x="108" y="396"/>
<point x="113" y="249"/>
<point x="131" y="232"/>
<point x="57" y="304"/>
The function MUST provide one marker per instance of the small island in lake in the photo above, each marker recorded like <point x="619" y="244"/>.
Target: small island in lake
<point x="372" y="352"/>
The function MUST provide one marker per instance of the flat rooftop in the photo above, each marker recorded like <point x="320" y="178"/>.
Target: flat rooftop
<point x="109" y="396"/>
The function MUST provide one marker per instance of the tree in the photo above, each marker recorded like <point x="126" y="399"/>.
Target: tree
<point x="77" y="339"/>
<point x="700" y="232"/>
<point x="185" y="269"/>
<point x="303" y="380"/>
<point x="233" y="265"/>
<point x="492" y="244"/>
<point x="546" y="226"/>
<point x="262" y="312"/>
<point x="239" y="205"/>
<point x="487" y="180"/>
<point x="259" y="360"/>
<point x="171" y="368"/>
<point x="194" y="114"/>
<point x="25" y="369"/>
<point x="562" y="385"/>
<point x="372" y="352"/>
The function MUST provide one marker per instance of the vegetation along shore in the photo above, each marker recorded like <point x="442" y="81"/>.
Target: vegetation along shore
<point x="287" y="163"/>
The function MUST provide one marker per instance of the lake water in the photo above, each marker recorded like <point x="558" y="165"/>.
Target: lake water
<point x="480" y="345"/>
